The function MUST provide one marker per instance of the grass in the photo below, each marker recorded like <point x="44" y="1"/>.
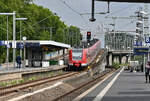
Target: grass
<point x="3" y="84"/>
<point x="51" y="74"/>
<point x="14" y="82"/>
<point x="116" y="65"/>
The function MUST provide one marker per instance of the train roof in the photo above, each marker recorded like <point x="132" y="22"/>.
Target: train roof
<point x="86" y="44"/>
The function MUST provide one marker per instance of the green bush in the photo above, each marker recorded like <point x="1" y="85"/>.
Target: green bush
<point x="34" y="28"/>
<point x="53" y="62"/>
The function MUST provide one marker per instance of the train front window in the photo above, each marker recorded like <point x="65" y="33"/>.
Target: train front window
<point x="77" y="54"/>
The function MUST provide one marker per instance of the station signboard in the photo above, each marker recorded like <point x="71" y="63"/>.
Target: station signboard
<point x="20" y="45"/>
<point x="141" y="51"/>
<point x="147" y="39"/>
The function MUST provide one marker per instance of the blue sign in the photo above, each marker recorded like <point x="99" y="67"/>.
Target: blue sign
<point x="140" y="51"/>
<point x="29" y="45"/>
<point x="138" y="43"/>
<point x="2" y="43"/>
<point x="20" y="45"/>
<point x="147" y="39"/>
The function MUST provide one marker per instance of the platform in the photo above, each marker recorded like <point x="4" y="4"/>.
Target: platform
<point x="16" y="73"/>
<point x="128" y="86"/>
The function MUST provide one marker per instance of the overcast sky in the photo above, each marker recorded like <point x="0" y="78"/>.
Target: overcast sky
<point x="71" y="17"/>
<point x="84" y="6"/>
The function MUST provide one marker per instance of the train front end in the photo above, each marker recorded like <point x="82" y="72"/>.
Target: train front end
<point x="77" y="58"/>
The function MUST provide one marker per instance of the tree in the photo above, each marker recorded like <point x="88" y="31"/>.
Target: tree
<point x="33" y="27"/>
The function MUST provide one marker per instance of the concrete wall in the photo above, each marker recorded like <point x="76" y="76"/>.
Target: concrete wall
<point x="124" y="59"/>
<point x="5" y="65"/>
<point x="110" y="59"/>
<point x="117" y="58"/>
<point x="11" y="76"/>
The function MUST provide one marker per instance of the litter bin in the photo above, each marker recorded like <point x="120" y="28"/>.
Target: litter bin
<point x="53" y="62"/>
<point x="61" y="62"/>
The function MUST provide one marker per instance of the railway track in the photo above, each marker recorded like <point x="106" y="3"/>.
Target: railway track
<point x="21" y="87"/>
<point x="15" y="88"/>
<point x="83" y="87"/>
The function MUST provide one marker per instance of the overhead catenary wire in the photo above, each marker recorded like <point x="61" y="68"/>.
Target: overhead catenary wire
<point x="69" y="7"/>
<point x="74" y="11"/>
<point x="5" y="30"/>
<point x="126" y="25"/>
<point x="26" y="23"/>
<point x="120" y="10"/>
<point x="2" y="27"/>
<point x="36" y="23"/>
<point x="32" y="28"/>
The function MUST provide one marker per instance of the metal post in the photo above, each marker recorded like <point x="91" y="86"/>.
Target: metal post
<point x="20" y="41"/>
<point x="144" y="63"/>
<point x="125" y="47"/>
<point x="7" y="59"/>
<point x="64" y="55"/>
<point x="24" y="43"/>
<point x="76" y="38"/>
<point x="114" y="34"/>
<point x="14" y="37"/>
<point x="14" y="34"/>
<point x="72" y="40"/>
<point x="93" y="5"/>
<point x="148" y="54"/>
<point x="64" y="36"/>
<point x="24" y="54"/>
<point x="20" y="19"/>
<point x="51" y="28"/>
<point x="69" y="36"/>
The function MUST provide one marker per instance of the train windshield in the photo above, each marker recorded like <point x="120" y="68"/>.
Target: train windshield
<point x="77" y="54"/>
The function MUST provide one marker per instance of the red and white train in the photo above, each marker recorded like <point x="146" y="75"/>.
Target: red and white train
<point x="82" y="57"/>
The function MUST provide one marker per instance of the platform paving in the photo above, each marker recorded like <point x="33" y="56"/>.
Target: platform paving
<point x="30" y="69"/>
<point x="129" y="86"/>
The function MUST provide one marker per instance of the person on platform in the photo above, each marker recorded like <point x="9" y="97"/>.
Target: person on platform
<point x="142" y="67"/>
<point x="18" y="62"/>
<point x="147" y="71"/>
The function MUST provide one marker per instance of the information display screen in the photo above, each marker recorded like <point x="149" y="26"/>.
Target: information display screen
<point x="140" y="51"/>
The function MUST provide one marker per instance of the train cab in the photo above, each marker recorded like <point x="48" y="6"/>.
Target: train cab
<point x="82" y="57"/>
<point x="77" y="57"/>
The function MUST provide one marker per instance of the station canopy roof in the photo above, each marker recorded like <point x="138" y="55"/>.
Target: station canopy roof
<point x="45" y="44"/>
<point x="48" y="43"/>
<point x="131" y="1"/>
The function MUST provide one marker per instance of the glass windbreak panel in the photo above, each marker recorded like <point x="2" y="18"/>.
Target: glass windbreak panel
<point x="77" y="54"/>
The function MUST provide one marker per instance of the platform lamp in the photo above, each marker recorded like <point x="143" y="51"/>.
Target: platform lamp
<point x="24" y="43"/>
<point x="14" y="34"/>
<point x="21" y="19"/>
<point x="129" y="53"/>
